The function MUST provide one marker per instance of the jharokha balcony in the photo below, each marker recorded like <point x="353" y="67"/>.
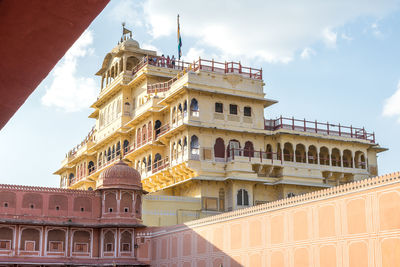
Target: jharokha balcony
<point x="319" y="128"/>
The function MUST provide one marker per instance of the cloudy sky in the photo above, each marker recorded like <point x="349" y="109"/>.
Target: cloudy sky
<point x="335" y="61"/>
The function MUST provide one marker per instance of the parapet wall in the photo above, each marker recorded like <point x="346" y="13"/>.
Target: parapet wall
<point x="357" y="224"/>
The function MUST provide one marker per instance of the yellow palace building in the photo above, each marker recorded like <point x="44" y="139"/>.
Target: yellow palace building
<point x="197" y="134"/>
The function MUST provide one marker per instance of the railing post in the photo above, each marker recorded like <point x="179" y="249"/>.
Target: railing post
<point x="327" y="127"/>
<point x="260" y="155"/>
<point x="316" y="126"/>
<point x="340" y="131"/>
<point x="199" y="63"/>
<point x="250" y="72"/>
<point x="351" y="131"/>
<point x="373" y="137"/>
<point x="281" y="122"/>
<point x="292" y="123"/>
<point x="364" y="133"/>
<point x="261" y="74"/>
<point x="212" y="65"/>
<point x="305" y="128"/>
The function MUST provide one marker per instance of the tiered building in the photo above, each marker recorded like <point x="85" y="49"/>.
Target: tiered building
<point x="197" y="134"/>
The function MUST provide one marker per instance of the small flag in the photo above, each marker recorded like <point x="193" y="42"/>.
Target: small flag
<point x="179" y="41"/>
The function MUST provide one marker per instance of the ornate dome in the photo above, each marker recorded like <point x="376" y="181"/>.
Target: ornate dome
<point x="121" y="175"/>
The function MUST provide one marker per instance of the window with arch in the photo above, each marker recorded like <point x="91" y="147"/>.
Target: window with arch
<point x="194" y="107"/>
<point x="242" y="198"/>
<point x="269" y="151"/>
<point x="157" y="161"/>
<point x="91" y="167"/>
<point x="185" y="108"/>
<point x="219" y="149"/>
<point x="248" y="149"/>
<point x="99" y="160"/>
<point x="194" y="147"/>
<point x="180" y="111"/>
<point x="127" y="109"/>
<point x="174" y="115"/>
<point x="149" y="163"/>
<point x="118" y="148"/>
<point x="126" y="146"/>
<point x="138" y="137"/>
<point x="109" y="154"/>
<point x="233" y="148"/>
<point x="71" y="178"/>
<point x="185" y="146"/>
<point x="157" y="127"/>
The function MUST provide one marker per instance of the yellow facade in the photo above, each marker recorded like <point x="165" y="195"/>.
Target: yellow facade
<point x="197" y="134"/>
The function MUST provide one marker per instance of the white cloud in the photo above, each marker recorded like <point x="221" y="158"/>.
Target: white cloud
<point x="68" y="91"/>
<point x="307" y="53"/>
<point x="329" y="37"/>
<point x="346" y="37"/>
<point x="375" y="30"/>
<point x="392" y="105"/>
<point x="273" y="31"/>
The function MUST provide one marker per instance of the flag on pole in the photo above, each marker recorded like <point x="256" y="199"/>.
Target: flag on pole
<point x="179" y="41"/>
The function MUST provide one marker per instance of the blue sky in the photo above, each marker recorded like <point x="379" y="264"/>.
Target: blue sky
<point x="332" y="61"/>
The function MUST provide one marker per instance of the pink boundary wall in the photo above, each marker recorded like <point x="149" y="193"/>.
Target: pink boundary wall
<point x="357" y="224"/>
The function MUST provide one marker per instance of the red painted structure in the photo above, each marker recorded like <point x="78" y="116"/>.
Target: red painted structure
<point x="34" y="36"/>
<point x="47" y="226"/>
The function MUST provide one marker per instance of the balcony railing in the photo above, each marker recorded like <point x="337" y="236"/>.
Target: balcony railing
<point x="318" y="127"/>
<point x="200" y="64"/>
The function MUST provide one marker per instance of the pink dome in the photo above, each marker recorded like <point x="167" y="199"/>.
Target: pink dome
<point x="120" y="175"/>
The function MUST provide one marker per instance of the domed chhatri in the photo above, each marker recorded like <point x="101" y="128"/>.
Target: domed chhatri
<point x="121" y="175"/>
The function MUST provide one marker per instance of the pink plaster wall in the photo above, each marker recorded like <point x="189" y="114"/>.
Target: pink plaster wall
<point x="353" y="225"/>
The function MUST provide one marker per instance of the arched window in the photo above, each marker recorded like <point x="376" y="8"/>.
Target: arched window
<point x="157" y="127"/>
<point x="248" y="149"/>
<point x="288" y="152"/>
<point x="347" y="159"/>
<point x="126" y="146"/>
<point x="99" y="160"/>
<point x="109" y="241"/>
<point x="70" y="178"/>
<point x="242" y="198"/>
<point x="144" y="164"/>
<point x="180" y="109"/>
<point x="219" y="149"/>
<point x="131" y="62"/>
<point x="109" y="154"/>
<point x="113" y="152"/>
<point x="359" y="159"/>
<point x="179" y="148"/>
<point x="195" y="147"/>
<point x="185" y="108"/>
<point x="336" y="160"/>
<point x="233" y="148"/>
<point x="144" y="133"/>
<point x="312" y="155"/>
<point x="194" y="108"/>
<point x="138" y="137"/>
<point x="185" y="145"/>
<point x="324" y="156"/>
<point x="150" y="131"/>
<point x="300" y="153"/>
<point x="126" y="241"/>
<point x="91" y="167"/>
<point x="269" y="151"/>
<point x="157" y="161"/>
<point x="118" y="148"/>
<point x="127" y="109"/>
<point x="149" y="163"/>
